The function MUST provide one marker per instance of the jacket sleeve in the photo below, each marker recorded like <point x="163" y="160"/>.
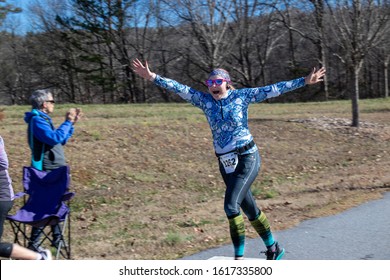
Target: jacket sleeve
<point x="187" y="93"/>
<point x="3" y="156"/>
<point x="71" y="130"/>
<point x="44" y="132"/>
<point x="259" y="94"/>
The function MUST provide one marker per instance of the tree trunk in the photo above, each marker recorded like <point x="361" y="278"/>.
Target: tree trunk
<point x="355" y="97"/>
<point x="386" y="72"/>
<point x="323" y="59"/>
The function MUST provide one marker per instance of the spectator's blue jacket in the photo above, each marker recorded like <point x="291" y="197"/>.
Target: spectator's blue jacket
<point x="46" y="142"/>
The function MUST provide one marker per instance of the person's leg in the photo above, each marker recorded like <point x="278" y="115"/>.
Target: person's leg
<point x="258" y="219"/>
<point x="56" y="232"/>
<point x="261" y="224"/>
<point x="21" y="253"/>
<point x="237" y="234"/>
<point x="5" y="207"/>
<point x="237" y="186"/>
<point x="9" y="250"/>
<point x="35" y="238"/>
<point x="15" y="251"/>
<point x="263" y="229"/>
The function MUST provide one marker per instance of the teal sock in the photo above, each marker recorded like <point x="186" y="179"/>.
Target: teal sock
<point x="263" y="228"/>
<point x="237" y="233"/>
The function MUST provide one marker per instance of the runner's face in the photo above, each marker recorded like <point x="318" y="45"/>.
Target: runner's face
<point x="217" y="91"/>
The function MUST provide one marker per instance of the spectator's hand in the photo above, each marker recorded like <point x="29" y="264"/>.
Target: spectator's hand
<point x="79" y="114"/>
<point x="143" y="70"/>
<point x="315" y="76"/>
<point x="71" y="115"/>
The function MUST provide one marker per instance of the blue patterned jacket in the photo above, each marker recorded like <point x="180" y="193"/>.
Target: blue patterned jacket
<point x="228" y="117"/>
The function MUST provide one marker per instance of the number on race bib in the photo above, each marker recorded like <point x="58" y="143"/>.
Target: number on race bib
<point x="229" y="162"/>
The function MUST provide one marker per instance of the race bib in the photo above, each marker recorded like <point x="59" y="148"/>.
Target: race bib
<point x="229" y="162"/>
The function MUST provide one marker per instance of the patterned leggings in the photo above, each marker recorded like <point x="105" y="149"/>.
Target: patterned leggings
<point x="238" y="195"/>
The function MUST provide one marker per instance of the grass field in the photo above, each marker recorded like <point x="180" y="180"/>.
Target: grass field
<point x="147" y="182"/>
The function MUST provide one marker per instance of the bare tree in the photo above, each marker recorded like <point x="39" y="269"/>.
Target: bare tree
<point x="85" y="54"/>
<point x="7" y="9"/>
<point x="9" y="73"/>
<point x="384" y="60"/>
<point x="147" y="39"/>
<point x="99" y="30"/>
<point x="54" y="55"/>
<point x="208" y="26"/>
<point x="306" y="18"/>
<point x="386" y="74"/>
<point x="258" y="36"/>
<point x="359" y="25"/>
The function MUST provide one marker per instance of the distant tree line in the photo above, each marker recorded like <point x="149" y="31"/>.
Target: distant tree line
<point x="82" y="49"/>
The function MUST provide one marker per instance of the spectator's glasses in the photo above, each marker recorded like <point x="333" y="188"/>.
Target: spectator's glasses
<point x="217" y="82"/>
<point x="51" y="101"/>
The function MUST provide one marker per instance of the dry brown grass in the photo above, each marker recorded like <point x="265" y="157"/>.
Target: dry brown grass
<point x="147" y="183"/>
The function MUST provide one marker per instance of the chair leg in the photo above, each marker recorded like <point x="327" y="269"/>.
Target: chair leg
<point x="69" y="237"/>
<point x="21" y="236"/>
<point x="64" y="246"/>
<point x="17" y="229"/>
<point x="61" y="243"/>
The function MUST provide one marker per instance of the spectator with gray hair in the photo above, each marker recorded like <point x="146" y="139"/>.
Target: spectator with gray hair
<point x="46" y="143"/>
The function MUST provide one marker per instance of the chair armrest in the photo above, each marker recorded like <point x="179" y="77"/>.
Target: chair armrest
<point x="68" y="196"/>
<point x="19" y="195"/>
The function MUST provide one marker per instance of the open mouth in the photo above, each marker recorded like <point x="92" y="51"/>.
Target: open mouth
<point x="215" y="91"/>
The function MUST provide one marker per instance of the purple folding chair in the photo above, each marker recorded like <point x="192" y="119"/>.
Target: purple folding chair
<point x="47" y="204"/>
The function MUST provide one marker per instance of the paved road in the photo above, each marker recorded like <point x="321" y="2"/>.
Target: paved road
<point x="360" y="233"/>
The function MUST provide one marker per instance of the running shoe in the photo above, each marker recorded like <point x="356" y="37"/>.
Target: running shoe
<point x="46" y="255"/>
<point x="274" y="254"/>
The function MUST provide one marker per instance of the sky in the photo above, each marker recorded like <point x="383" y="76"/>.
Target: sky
<point x="19" y="22"/>
<point x="23" y="22"/>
